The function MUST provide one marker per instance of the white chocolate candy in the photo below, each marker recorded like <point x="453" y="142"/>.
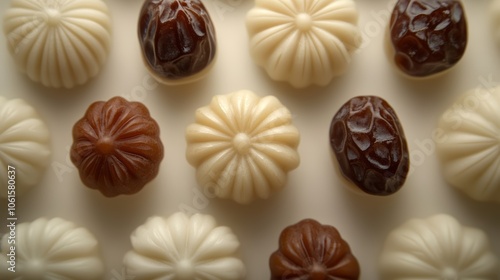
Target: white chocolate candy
<point x="183" y="248"/>
<point x="438" y="248"/>
<point x="58" y="43"/>
<point x="24" y="146"/>
<point x="242" y="146"/>
<point x="52" y="249"/>
<point x="303" y="42"/>
<point x="469" y="148"/>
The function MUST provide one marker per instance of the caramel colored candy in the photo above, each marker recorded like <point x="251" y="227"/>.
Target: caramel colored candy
<point x="177" y="39"/>
<point x="117" y="147"/>
<point x="310" y="250"/>
<point x="427" y="36"/>
<point x="370" y="145"/>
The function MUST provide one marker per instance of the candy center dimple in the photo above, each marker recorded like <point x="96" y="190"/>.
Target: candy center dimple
<point x="185" y="270"/>
<point x="303" y="21"/>
<point x="449" y="274"/>
<point x="242" y="143"/>
<point x="53" y="16"/>
<point x="105" y="145"/>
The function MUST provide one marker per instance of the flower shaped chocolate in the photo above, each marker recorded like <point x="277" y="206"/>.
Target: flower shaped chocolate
<point x="309" y="250"/>
<point x="51" y="249"/>
<point x="438" y="248"/>
<point x="242" y="146"/>
<point x="24" y="146"/>
<point x="117" y="147"/>
<point x="183" y="248"/>
<point x="303" y="42"/>
<point x="58" y="43"/>
<point x="469" y="149"/>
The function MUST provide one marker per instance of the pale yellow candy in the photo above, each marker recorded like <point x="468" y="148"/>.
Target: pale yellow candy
<point x="58" y="43"/>
<point x="243" y="146"/>
<point x="52" y="249"/>
<point x="469" y="149"/>
<point x="438" y="248"/>
<point x="24" y="146"/>
<point x="303" y="42"/>
<point x="183" y="248"/>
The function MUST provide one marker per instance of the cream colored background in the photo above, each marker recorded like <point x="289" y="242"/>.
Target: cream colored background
<point x="314" y="190"/>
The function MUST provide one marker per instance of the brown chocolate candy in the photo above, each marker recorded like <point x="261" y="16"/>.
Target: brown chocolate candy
<point x="310" y="250"/>
<point x="370" y="145"/>
<point x="177" y="39"/>
<point x="428" y="36"/>
<point x="116" y="147"/>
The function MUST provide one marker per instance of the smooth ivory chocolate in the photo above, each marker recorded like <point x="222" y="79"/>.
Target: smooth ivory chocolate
<point x="177" y="39"/>
<point x="427" y="36"/>
<point x="117" y="147"/>
<point x="370" y="145"/>
<point x="310" y="250"/>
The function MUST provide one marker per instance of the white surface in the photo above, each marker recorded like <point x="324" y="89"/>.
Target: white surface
<point x="438" y="247"/>
<point x="314" y="189"/>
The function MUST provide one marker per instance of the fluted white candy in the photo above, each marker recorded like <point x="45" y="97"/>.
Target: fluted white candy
<point x="24" y="146"/>
<point x="243" y="146"/>
<point x="438" y="248"/>
<point x="183" y="248"/>
<point x="52" y="249"/>
<point x="59" y="43"/>
<point x="469" y="146"/>
<point x="303" y="42"/>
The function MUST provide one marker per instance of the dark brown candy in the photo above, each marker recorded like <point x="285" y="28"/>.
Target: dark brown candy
<point x="428" y="36"/>
<point x="370" y="145"/>
<point x="177" y="39"/>
<point x="309" y="250"/>
<point x="116" y="147"/>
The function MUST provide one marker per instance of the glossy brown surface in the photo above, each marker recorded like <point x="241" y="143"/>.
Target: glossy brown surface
<point x="428" y="36"/>
<point x="309" y="250"/>
<point x="177" y="38"/>
<point x="116" y="147"/>
<point x="370" y="146"/>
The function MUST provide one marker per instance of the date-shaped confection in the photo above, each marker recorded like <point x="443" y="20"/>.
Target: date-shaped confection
<point x="177" y="39"/>
<point x="370" y="146"/>
<point x="427" y="36"/>
<point x="117" y="147"/>
<point x="310" y="250"/>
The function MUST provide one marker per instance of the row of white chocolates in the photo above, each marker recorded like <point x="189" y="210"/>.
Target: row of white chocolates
<point x="64" y="44"/>
<point x="196" y="248"/>
<point x="243" y="145"/>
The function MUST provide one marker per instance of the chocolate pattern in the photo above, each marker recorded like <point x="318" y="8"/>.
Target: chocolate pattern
<point x="117" y="147"/>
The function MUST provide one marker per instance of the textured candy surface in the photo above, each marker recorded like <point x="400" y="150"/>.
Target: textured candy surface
<point x="370" y="146"/>
<point x="183" y="248"/>
<point x="469" y="149"/>
<point x="58" y="43"/>
<point x="177" y="39"/>
<point x="117" y="147"/>
<point x="243" y="146"/>
<point x="310" y="250"/>
<point x="303" y="42"/>
<point x="438" y="248"/>
<point x="24" y="146"/>
<point x="428" y="36"/>
<point x="51" y="249"/>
